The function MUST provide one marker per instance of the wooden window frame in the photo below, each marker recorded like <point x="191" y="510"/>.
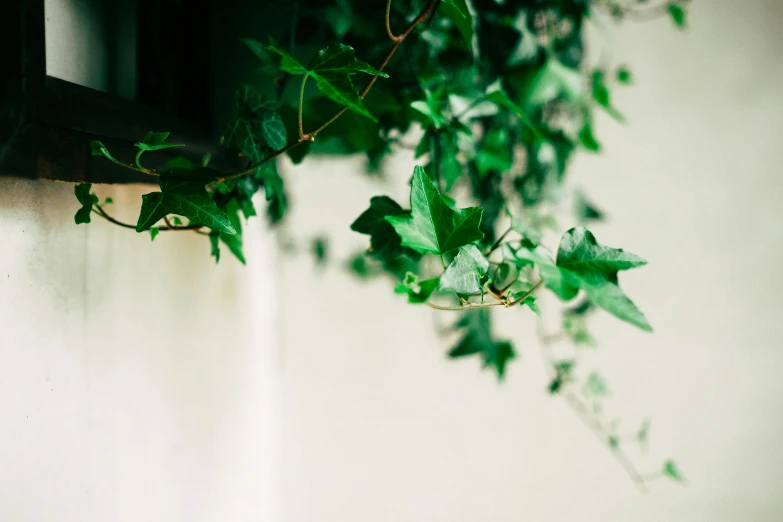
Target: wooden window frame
<point x="46" y="123"/>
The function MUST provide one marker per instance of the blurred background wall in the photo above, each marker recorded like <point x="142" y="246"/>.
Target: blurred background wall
<point x="379" y="426"/>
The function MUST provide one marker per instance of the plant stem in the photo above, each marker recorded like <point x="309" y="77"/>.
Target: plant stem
<point x="301" y="102"/>
<point x="498" y="242"/>
<point x="526" y="294"/>
<point x="309" y="136"/>
<point x="388" y="25"/>
<point x="138" y="160"/>
<point x="101" y="212"/>
<point x="593" y="423"/>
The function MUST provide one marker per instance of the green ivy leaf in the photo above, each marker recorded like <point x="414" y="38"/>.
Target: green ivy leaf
<point x="466" y="273"/>
<point x="417" y="291"/>
<point x="624" y="75"/>
<point x="583" y="263"/>
<point x="602" y="96"/>
<point x="320" y="247"/>
<point x="495" y="153"/>
<point x="258" y="128"/>
<point x="156" y="141"/>
<point x="677" y="14"/>
<point x="339" y="59"/>
<point x="184" y="198"/>
<point x="154" y="233"/>
<point x="87" y="199"/>
<point x="234" y="241"/>
<point x="384" y="241"/>
<point x="458" y="12"/>
<point x="432" y="227"/>
<point x="274" y="190"/>
<point x="477" y="339"/>
<point x="340" y="89"/>
<point x="99" y="149"/>
<point x="644" y="433"/>
<point x="671" y="471"/>
<point x="287" y="63"/>
<point x="459" y="6"/>
<point x="587" y="139"/>
<point x="595" y="385"/>
<point x="214" y="241"/>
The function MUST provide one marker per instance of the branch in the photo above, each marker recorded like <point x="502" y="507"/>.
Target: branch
<point x="311" y="135"/>
<point x="169" y="227"/>
<point x="388" y="25"/>
<point x="502" y="302"/>
<point x="593" y="423"/>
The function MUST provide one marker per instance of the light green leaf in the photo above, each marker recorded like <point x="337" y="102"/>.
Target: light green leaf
<point x="433" y="227"/>
<point x="602" y="96"/>
<point x="466" y="273"/>
<point x="595" y="385"/>
<point x="671" y="471"/>
<point x="154" y="233"/>
<point x="553" y="81"/>
<point x="583" y="263"/>
<point x="417" y="291"/>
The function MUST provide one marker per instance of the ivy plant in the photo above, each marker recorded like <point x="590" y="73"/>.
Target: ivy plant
<point x="500" y="98"/>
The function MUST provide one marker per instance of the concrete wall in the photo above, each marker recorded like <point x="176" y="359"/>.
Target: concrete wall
<point x="380" y="426"/>
<point x="138" y="381"/>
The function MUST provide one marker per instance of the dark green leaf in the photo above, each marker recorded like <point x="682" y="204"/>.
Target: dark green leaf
<point x="458" y="12"/>
<point x="587" y="139"/>
<point x="433" y="227"/>
<point x="99" y="149"/>
<point x="339" y="58"/>
<point x="320" y="249"/>
<point x="156" y="141"/>
<point x="477" y="339"/>
<point x="384" y="241"/>
<point x="288" y="63"/>
<point x="677" y="13"/>
<point x="214" y="241"/>
<point x="466" y="274"/>
<point x="184" y="198"/>
<point x="624" y="75"/>
<point x="234" y="241"/>
<point x="87" y="200"/>
<point x="257" y="129"/>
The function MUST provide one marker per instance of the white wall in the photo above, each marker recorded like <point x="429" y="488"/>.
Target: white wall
<point x="138" y="381"/>
<point x="380" y="426"/>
